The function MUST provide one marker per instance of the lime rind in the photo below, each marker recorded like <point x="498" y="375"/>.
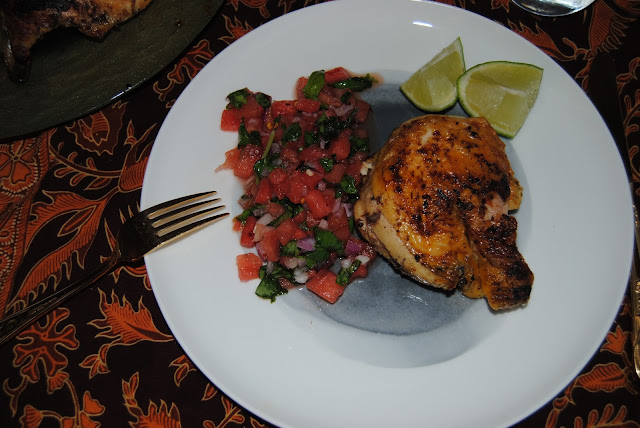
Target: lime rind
<point x="432" y="88"/>
<point x="503" y="92"/>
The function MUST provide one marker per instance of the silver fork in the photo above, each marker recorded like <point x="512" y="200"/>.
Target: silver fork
<point x="142" y="233"/>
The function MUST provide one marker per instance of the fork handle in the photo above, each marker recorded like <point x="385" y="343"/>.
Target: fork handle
<point x="13" y="324"/>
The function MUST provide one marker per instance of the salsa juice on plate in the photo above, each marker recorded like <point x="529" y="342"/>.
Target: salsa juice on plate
<point x="302" y="164"/>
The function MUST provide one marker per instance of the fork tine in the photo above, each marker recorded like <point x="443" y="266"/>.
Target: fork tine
<point x="159" y="209"/>
<point x="166" y="227"/>
<point x="191" y="227"/>
<point x="180" y="211"/>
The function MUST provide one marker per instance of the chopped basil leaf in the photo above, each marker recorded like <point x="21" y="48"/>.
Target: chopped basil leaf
<point x="357" y="83"/>
<point x="327" y="240"/>
<point x="326" y="164"/>
<point x="242" y="218"/>
<point x="238" y="98"/>
<point x="345" y="273"/>
<point x="347" y="189"/>
<point x="314" y="85"/>
<point x="269" y="287"/>
<point x="316" y="256"/>
<point x="263" y="99"/>
<point x="281" y="271"/>
<point x="290" y="206"/>
<point x="282" y="217"/>
<point x="358" y="144"/>
<point x="291" y="249"/>
<point x="245" y="137"/>
<point x="330" y="127"/>
<point x="262" y="272"/>
<point x="264" y="165"/>
<point x="310" y="138"/>
<point x="352" y="115"/>
<point x="345" y="97"/>
<point x="291" y="210"/>
<point x="348" y="185"/>
<point x="292" y="133"/>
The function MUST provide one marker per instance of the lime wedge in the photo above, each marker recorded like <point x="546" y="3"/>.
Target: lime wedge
<point x="433" y="87"/>
<point x="502" y="92"/>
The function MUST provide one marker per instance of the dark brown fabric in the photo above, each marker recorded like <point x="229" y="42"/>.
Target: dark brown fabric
<point x="107" y="358"/>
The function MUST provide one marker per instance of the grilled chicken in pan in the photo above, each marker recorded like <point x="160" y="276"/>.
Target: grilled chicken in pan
<point x="436" y="204"/>
<point x="24" y="22"/>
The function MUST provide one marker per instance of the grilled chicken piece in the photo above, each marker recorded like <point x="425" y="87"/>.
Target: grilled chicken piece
<point x="24" y="22"/>
<point x="436" y="203"/>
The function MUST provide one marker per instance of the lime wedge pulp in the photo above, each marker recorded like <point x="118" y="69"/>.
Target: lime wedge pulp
<point x="433" y="87"/>
<point x="503" y="92"/>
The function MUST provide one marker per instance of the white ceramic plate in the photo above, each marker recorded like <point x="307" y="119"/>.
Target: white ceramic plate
<point x="301" y="363"/>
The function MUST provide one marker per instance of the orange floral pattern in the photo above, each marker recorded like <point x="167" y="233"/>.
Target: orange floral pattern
<point x="108" y="358"/>
<point x="184" y="71"/>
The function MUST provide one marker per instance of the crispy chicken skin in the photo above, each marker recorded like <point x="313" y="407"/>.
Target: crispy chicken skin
<point x="24" y="22"/>
<point x="436" y="203"/>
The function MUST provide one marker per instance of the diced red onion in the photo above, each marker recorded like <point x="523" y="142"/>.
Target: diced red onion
<point x="348" y="209"/>
<point x="324" y="224"/>
<point x="301" y="276"/>
<point x="265" y="219"/>
<point x="258" y="212"/>
<point x="315" y="165"/>
<point x="352" y="248"/>
<point x="261" y="227"/>
<point x="336" y="206"/>
<point x="366" y="166"/>
<point x="363" y="259"/>
<point x="343" y="110"/>
<point x="290" y="262"/>
<point x="322" y="185"/>
<point x="307" y="244"/>
<point x="246" y="202"/>
<point x="253" y="123"/>
<point x="261" y="253"/>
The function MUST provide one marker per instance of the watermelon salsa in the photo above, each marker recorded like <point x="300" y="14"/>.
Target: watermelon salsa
<point x="301" y="162"/>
